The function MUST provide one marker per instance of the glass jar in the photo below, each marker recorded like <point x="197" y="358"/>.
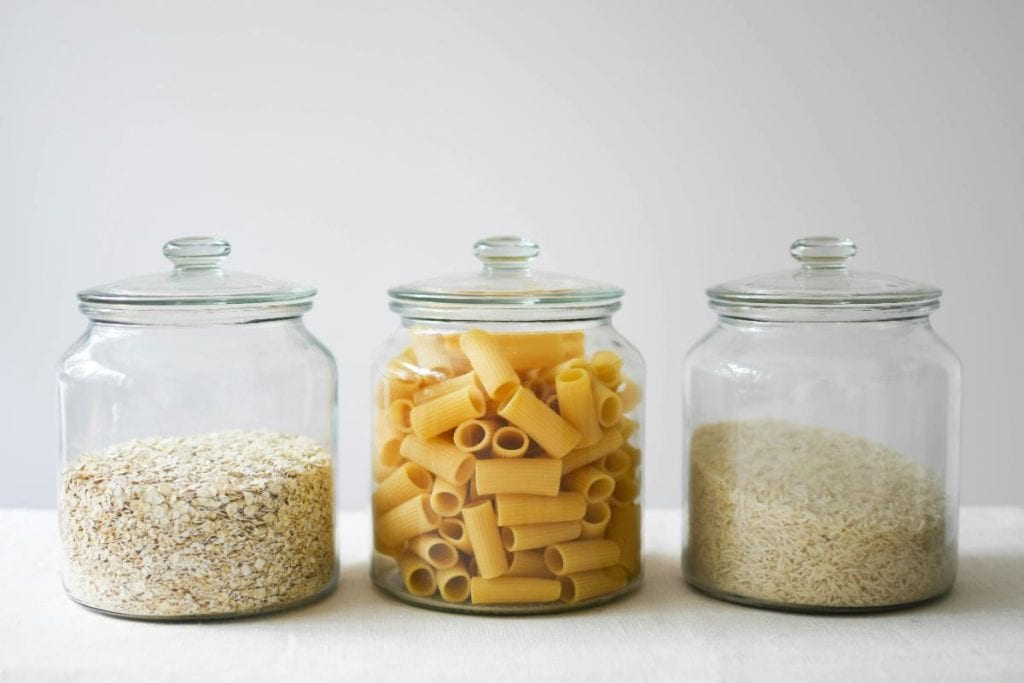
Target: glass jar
<point x="822" y="418"/>
<point x="507" y="442"/>
<point x="197" y="440"/>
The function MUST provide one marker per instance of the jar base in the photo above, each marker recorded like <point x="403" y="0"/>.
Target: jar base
<point x="811" y="609"/>
<point x="390" y="584"/>
<point x="319" y="595"/>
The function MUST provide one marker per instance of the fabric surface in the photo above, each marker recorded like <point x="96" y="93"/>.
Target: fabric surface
<point x="666" y="631"/>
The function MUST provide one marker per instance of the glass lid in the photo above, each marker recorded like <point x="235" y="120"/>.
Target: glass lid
<point x="197" y="288"/>
<point x="506" y="287"/>
<point x="823" y="287"/>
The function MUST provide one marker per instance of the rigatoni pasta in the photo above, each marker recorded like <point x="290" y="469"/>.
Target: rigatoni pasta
<point x="581" y="556"/>
<point x="446" y="412"/>
<point x="529" y="563"/>
<point x="537" y="476"/>
<point x="514" y="589"/>
<point x="472" y="436"/>
<point x="408" y="481"/>
<point x="504" y="470"/>
<point x="436" y="551"/>
<point x="485" y="538"/>
<point x="509" y="442"/>
<point x="440" y="457"/>
<point x="447" y="498"/>
<point x="544" y="425"/>
<point x="532" y="536"/>
<point x="489" y="363"/>
<point x="577" y="406"/>
<point x="417" y="575"/>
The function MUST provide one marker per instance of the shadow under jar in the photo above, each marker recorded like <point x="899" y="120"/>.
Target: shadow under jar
<point x="822" y="420"/>
<point x="507" y="442"/>
<point x="197" y="438"/>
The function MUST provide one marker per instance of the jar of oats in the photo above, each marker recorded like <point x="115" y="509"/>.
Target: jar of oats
<point x="507" y="441"/>
<point x="822" y="417"/>
<point x="197" y="439"/>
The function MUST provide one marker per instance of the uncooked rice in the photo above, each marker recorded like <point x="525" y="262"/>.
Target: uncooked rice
<point x="792" y="515"/>
<point x="214" y="524"/>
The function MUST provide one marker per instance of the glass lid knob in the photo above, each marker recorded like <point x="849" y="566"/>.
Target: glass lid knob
<point x="506" y="252"/>
<point x="823" y="253"/>
<point x="189" y="253"/>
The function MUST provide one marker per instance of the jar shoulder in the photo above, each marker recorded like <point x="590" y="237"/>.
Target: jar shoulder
<point x="813" y="344"/>
<point x="125" y="349"/>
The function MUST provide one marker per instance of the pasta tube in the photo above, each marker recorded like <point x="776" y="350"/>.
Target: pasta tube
<point x="486" y="540"/>
<point x="528" y="350"/>
<point x="595" y="521"/>
<point x="572" y="364"/>
<point x="629" y="395"/>
<point x="607" y="368"/>
<point x="445" y="386"/>
<point x="398" y="387"/>
<point x="408" y="481"/>
<point x="447" y="498"/>
<point x="594" y="484"/>
<point x="453" y="530"/>
<point x="590" y="584"/>
<point x="473" y="436"/>
<point x="537" y="476"/>
<point x="446" y="412"/>
<point x="408" y="519"/>
<point x="633" y="452"/>
<point x="417" y="575"/>
<point x="509" y="442"/>
<point x="627" y="426"/>
<point x="517" y="508"/>
<point x="431" y="354"/>
<point x="513" y="589"/>
<point x="453" y="583"/>
<point x="611" y="440"/>
<point x="400" y="415"/>
<point x="572" y="344"/>
<point x="530" y="536"/>
<point x="440" y="457"/>
<point x="382" y="472"/>
<point x="529" y="563"/>
<point x="624" y="530"/>
<point x="489" y="363"/>
<point x="626" y="491"/>
<point x="608" y="404"/>
<point x="580" y="556"/>
<point x="436" y="551"/>
<point x="617" y="464"/>
<point x="544" y="426"/>
<point x="576" y="405"/>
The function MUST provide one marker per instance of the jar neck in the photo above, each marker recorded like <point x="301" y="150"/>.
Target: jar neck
<point x="745" y="324"/>
<point x="825" y="314"/>
<point x="507" y="325"/>
<point x="100" y="328"/>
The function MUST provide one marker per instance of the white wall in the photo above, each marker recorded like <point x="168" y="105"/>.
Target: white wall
<point x="663" y="146"/>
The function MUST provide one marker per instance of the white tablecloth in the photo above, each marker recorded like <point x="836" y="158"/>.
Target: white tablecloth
<point x="664" y="632"/>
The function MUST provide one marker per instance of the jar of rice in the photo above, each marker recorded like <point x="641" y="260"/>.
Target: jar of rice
<point x="197" y="439"/>
<point x="822" y="427"/>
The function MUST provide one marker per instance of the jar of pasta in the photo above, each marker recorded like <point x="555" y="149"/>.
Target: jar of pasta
<point x="507" y="441"/>
<point x="823" y="432"/>
<point x="197" y="437"/>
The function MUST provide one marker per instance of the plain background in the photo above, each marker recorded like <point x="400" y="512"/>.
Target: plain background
<point x="661" y="146"/>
